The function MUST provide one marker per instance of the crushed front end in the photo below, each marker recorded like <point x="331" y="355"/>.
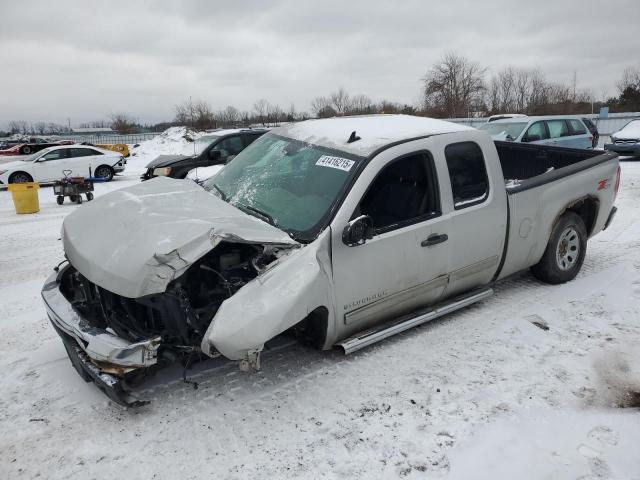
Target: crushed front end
<point x="116" y="341"/>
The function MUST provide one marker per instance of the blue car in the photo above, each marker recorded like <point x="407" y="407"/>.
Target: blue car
<point x="558" y="131"/>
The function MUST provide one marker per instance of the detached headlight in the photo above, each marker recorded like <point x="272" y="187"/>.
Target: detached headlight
<point x="162" y="172"/>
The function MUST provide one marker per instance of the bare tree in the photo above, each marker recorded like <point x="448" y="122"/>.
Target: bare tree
<point x="229" y="116"/>
<point x="340" y="101"/>
<point x="123" y="122"/>
<point x="197" y="115"/>
<point x="260" y="109"/>
<point x="630" y="79"/>
<point x="18" y="126"/>
<point x="40" y="128"/>
<point x="453" y="85"/>
<point x="360" y="104"/>
<point x="321" y="107"/>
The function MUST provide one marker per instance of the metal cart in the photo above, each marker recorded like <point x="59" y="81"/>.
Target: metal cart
<point x="73" y="187"/>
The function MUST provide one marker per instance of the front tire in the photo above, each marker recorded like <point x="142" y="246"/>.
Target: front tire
<point x="565" y="252"/>
<point x="105" y="172"/>
<point x="20" y="177"/>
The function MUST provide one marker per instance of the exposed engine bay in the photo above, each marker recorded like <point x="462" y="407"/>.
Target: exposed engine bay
<point x="181" y="314"/>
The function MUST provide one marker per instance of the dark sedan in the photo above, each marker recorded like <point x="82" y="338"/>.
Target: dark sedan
<point x="216" y="148"/>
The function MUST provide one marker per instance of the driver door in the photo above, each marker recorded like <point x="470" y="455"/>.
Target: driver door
<point x="51" y="165"/>
<point x="405" y="265"/>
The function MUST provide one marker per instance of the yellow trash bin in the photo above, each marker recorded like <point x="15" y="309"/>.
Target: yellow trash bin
<point x="25" y="197"/>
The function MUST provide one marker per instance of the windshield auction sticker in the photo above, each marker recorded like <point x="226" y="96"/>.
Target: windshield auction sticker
<point x="335" y="162"/>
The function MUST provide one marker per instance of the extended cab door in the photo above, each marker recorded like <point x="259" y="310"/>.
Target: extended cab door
<point x="475" y="202"/>
<point x="404" y="266"/>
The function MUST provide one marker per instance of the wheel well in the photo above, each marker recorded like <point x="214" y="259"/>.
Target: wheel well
<point x="20" y="171"/>
<point x="587" y="209"/>
<point x="105" y="165"/>
<point x="313" y="328"/>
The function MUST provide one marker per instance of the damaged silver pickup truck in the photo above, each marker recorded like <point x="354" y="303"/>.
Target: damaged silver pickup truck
<point x="340" y="232"/>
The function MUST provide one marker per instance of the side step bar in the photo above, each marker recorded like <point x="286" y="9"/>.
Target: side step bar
<point x="373" y="335"/>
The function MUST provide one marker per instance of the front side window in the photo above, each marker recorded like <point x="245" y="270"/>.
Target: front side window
<point x="468" y="174"/>
<point x="536" y="132"/>
<point x="54" y="155"/>
<point x="557" y="128"/>
<point x="403" y="193"/>
<point x="229" y="146"/>
<point x="288" y="183"/>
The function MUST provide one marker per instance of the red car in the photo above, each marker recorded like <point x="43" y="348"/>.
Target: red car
<point x="31" y="145"/>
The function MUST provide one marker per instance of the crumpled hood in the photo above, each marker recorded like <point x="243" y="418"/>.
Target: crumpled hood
<point x="134" y="241"/>
<point x="166" y="160"/>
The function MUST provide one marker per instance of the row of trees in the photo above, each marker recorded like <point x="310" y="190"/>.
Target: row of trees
<point x="120" y="122"/>
<point x="454" y="87"/>
<point x="459" y="87"/>
<point x="200" y="115"/>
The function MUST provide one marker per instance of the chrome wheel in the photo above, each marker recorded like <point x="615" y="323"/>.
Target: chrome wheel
<point x="568" y="249"/>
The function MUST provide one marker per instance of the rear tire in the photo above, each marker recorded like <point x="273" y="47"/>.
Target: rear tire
<point x="105" y="172"/>
<point x="565" y="252"/>
<point x="89" y="196"/>
<point x="20" y="177"/>
<point x="26" y="150"/>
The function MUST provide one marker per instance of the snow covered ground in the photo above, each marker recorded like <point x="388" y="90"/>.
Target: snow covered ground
<point x="527" y="384"/>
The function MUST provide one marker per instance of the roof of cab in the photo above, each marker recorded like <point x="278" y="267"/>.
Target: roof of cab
<point x="375" y="131"/>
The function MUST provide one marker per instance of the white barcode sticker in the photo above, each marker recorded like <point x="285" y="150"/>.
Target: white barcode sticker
<point x="335" y="162"/>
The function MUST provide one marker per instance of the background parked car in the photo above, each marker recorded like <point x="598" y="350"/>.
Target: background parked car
<point x="26" y="146"/>
<point x="50" y="164"/>
<point x="627" y="139"/>
<point x="567" y="132"/>
<point x="214" y="149"/>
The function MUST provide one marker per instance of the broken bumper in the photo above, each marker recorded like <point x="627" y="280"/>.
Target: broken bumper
<point x="100" y="345"/>
<point x="97" y="354"/>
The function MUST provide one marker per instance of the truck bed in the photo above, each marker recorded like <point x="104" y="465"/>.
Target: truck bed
<point x="541" y="183"/>
<point x="526" y="165"/>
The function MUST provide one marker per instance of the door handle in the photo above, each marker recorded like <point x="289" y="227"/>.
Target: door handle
<point x="434" y="239"/>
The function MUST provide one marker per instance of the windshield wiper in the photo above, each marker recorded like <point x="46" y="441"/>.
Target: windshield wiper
<point x="265" y="215"/>
<point x="222" y="195"/>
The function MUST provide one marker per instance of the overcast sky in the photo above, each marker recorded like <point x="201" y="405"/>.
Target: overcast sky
<point x="85" y="59"/>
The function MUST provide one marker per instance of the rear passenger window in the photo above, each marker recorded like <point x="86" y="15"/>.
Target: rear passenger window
<point x="557" y="128"/>
<point x="577" y="128"/>
<point x="404" y="192"/>
<point x="468" y="174"/>
<point x="81" y="152"/>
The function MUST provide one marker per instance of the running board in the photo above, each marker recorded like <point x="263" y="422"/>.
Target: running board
<point x="373" y="335"/>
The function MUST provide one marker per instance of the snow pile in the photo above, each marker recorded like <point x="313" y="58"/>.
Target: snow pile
<point x="173" y="141"/>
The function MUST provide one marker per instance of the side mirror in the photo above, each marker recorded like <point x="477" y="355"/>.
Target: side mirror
<point x="358" y="231"/>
